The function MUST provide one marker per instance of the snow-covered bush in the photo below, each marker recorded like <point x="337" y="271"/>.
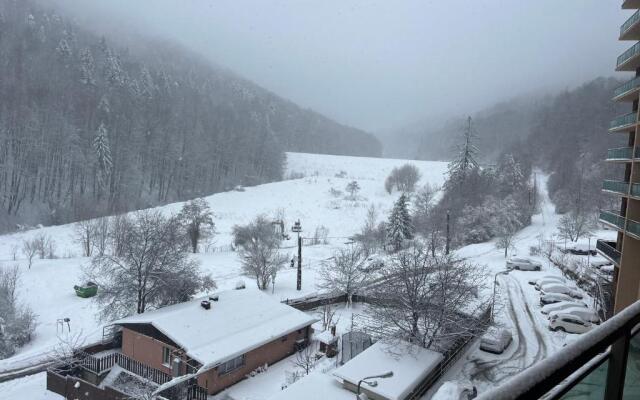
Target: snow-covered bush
<point x="17" y="321"/>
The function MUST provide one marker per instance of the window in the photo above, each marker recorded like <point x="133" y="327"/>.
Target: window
<point x="166" y="356"/>
<point x="231" y="365"/>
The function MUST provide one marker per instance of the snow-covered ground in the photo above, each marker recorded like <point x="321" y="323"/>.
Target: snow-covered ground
<point x="518" y="307"/>
<point x="48" y="285"/>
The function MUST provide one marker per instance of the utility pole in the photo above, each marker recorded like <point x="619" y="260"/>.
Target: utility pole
<point x="297" y="228"/>
<point x="448" y="243"/>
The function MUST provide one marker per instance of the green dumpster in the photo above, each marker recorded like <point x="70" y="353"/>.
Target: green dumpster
<point x="88" y="290"/>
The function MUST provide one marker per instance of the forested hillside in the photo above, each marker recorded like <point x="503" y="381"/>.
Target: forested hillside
<point x="566" y="135"/>
<point x="88" y="127"/>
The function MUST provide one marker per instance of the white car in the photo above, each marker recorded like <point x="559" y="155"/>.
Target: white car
<point x="599" y="262"/>
<point x="563" y="305"/>
<point x="582" y="312"/>
<point x="569" y="323"/>
<point x="560" y="288"/>
<point x="524" y="264"/>
<point x="551" y="298"/>
<point x="496" y="340"/>
<point x="547" y="279"/>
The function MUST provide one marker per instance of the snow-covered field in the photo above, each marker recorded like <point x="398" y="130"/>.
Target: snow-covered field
<point x="48" y="285"/>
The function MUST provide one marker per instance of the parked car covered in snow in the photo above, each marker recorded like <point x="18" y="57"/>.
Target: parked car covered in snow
<point x="582" y="312"/>
<point x="496" y="340"/>
<point x="547" y="278"/>
<point x="582" y="249"/>
<point x="599" y="262"/>
<point x="568" y="323"/>
<point x="562" y="305"/>
<point x="456" y="390"/>
<point x="523" y="264"/>
<point x="560" y="288"/>
<point x="551" y="298"/>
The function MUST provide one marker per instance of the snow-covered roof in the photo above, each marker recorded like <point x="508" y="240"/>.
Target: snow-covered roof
<point x="325" y="337"/>
<point x="240" y="321"/>
<point x="409" y="363"/>
<point x="315" y="386"/>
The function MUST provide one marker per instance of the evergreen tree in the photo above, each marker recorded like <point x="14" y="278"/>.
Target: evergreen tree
<point x="87" y="68"/>
<point x="467" y="158"/>
<point x="399" y="227"/>
<point x="103" y="154"/>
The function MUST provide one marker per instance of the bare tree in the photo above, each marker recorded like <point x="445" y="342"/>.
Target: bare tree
<point x="346" y="273"/>
<point x="84" y="233"/>
<point x="17" y="322"/>
<point x="506" y="224"/>
<point x="421" y="297"/>
<point x="259" y="250"/>
<point x="29" y="249"/>
<point x="67" y="350"/>
<point x="403" y="179"/>
<point x="101" y="235"/>
<point x="118" y="231"/>
<point x="353" y="188"/>
<point x="327" y="315"/>
<point x="197" y="219"/>
<point x="43" y="244"/>
<point x="306" y="359"/>
<point x="574" y="225"/>
<point x="153" y="270"/>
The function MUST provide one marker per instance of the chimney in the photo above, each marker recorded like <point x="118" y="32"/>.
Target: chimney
<point x="205" y="304"/>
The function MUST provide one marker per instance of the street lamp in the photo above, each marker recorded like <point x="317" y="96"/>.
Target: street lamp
<point x="495" y="282"/>
<point x="297" y="228"/>
<point x="386" y="375"/>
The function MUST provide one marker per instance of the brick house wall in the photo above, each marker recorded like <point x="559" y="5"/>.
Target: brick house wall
<point x="148" y="350"/>
<point x="145" y="349"/>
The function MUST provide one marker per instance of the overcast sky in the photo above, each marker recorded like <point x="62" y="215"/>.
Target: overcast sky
<point x="382" y="64"/>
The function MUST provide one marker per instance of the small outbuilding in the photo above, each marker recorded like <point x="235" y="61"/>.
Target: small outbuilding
<point x="410" y="364"/>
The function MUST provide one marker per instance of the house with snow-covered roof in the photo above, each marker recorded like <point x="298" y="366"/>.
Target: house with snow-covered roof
<point x="204" y="345"/>
<point x="220" y="338"/>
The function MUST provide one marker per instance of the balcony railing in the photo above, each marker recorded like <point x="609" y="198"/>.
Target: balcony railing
<point x="630" y="22"/>
<point x="612" y="218"/>
<point x="608" y="249"/>
<point x="620" y="153"/>
<point x="633" y="228"/>
<point x="623" y="121"/>
<point x="629" y="54"/>
<point x="599" y="365"/>
<point x="616" y="186"/>
<point x="627" y="87"/>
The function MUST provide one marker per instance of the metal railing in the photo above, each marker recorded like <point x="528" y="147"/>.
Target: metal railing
<point x="616" y="186"/>
<point x="555" y="376"/>
<point x="630" y="22"/>
<point x="608" y="249"/>
<point x="623" y="120"/>
<point x="612" y="218"/>
<point x="628" y="54"/>
<point x="633" y="227"/>
<point x="627" y="87"/>
<point x="620" y="153"/>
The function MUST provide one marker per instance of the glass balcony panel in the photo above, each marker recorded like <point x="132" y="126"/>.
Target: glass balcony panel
<point x="616" y="186"/>
<point x="632" y="377"/>
<point x="591" y="387"/>
<point x="620" y="153"/>
<point x="627" y="55"/>
<point x="635" y="190"/>
<point x="609" y="249"/>
<point x="612" y="218"/>
<point x="632" y="20"/>
<point x="627" y="87"/>
<point x="636" y="152"/>
<point x="633" y="227"/>
<point x="623" y="120"/>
